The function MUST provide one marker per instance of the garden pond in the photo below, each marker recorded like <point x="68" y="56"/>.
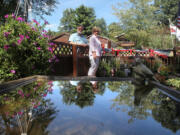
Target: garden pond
<point x="88" y="108"/>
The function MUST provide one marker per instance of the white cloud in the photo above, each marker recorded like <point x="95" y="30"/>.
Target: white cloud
<point x="52" y="27"/>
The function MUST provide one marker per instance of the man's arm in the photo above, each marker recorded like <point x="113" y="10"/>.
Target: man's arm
<point x="78" y="44"/>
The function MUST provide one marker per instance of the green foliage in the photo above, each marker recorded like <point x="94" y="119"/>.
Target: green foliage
<point x="24" y="49"/>
<point x="114" y="29"/>
<point x="160" y="38"/>
<point x="81" y="16"/>
<point x="137" y="14"/>
<point x="9" y="6"/>
<point x="175" y="82"/>
<point x="143" y="24"/>
<point x="166" y="9"/>
<point x="102" y="25"/>
<point x="164" y="70"/>
<point x="67" y="21"/>
<point x="139" y="37"/>
<point x="111" y="67"/>
<point x="82" y="98"/>
<point x="27" y="97"/>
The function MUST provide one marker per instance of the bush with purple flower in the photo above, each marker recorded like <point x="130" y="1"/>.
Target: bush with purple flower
<point x="23" y="46"/>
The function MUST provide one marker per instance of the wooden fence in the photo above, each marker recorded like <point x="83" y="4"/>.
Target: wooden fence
<point x="74" y="59"/>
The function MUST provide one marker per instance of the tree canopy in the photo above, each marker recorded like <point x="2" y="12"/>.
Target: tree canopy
<point x="81" y="16"/>
<point x="166" y="9"/>
<point x="101" y="24"/>
<point x="137" y="14"/>
<point x="39" y="7"/>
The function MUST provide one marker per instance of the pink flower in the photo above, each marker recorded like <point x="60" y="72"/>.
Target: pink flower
<point x="46" y="22"/>
<point x="44" y="31"/>
<point x="35" y="88"/>
<point x="39" y="48"/>
<point x="6" y="16"/>
<point x="21" y="37"/>
<point x="50" y="82"/>
<point x="13" y="15"/>
<point x="20" y="19"/>
<point x="50" y="49"/>
<point x="50" y="89"/>
<point x="51" y="44"/>
<point x="57" y="60"/>
<point x="21" y="93"/>
<point x="6" y="47"/>
<point x="19" y="41"/>
<point x="44" y="35"/>
<point x="39" y="83"/>
<point x="34" y="29"/>
<point x="50" y="60"/>
<point x="20" y="113"/>
<point x="35" y="22"/>
<point x="13" y="71"/>
<point x="44" y="95"/>
<point x="6" y="34"/>
<point x="27" y="36"/>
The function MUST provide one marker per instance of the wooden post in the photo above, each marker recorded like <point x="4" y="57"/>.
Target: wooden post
<point x="74" y="48"/>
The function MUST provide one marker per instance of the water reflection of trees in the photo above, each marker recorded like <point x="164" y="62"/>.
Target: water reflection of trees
<point x="23" y="112"/>
<point x="142" y="100"/>
<point x="83" y="97"/>
<point x="167" y="112"/>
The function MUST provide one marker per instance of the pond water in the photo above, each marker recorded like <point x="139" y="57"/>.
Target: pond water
<point x="88" y="108"/>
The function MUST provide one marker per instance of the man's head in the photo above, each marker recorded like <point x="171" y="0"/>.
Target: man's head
<point x="80" y="29"/>
<point x="79" y="87"/>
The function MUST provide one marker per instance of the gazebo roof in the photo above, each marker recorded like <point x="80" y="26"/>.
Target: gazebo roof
<point x="63" y="37"/>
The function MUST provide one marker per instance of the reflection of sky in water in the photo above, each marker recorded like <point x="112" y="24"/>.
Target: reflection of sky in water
<point x="98" y="119"/>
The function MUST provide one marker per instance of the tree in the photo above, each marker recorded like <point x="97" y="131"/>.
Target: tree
<point x="39" y="7"/>
<point x="139" y="14"/>
<point x="67" y="21"/>
<point x="167" y="9"/>
<point x="114" y="29"/>
<point x="82" y="98"/>
<point x="101" y="24"/>
<point x="80" y="16"/>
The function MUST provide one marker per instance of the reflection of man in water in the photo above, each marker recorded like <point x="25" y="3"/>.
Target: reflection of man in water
<point x="79" y="87"/>
<point x="94" y="86"/>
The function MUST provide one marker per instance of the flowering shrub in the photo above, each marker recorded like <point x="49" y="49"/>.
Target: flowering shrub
<point x="26" y="98"/>
<point x="24" y="48"/>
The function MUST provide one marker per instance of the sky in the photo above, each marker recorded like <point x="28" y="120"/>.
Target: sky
<point x="103" y="9"/>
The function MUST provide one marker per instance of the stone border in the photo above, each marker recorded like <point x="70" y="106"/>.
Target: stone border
<point x="174" y="94"/>
<point x="16" y="83"/>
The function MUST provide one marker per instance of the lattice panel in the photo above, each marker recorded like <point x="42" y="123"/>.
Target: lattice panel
<point x="127" y="53"/>
<point x="63" y="50"/>
<point x="133" y="53"/>
<point x="82" y="51"/>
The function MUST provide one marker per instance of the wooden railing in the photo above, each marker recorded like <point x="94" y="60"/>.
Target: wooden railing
<point x="70" y="50"/>
<point x="78" y="53"/>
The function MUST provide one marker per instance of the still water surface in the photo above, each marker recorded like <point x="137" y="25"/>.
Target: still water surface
<point x="88" y="108"/>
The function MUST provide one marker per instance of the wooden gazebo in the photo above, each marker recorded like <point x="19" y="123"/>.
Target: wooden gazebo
<point x="124" y="42"/>
<point x="73" y="59"/>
